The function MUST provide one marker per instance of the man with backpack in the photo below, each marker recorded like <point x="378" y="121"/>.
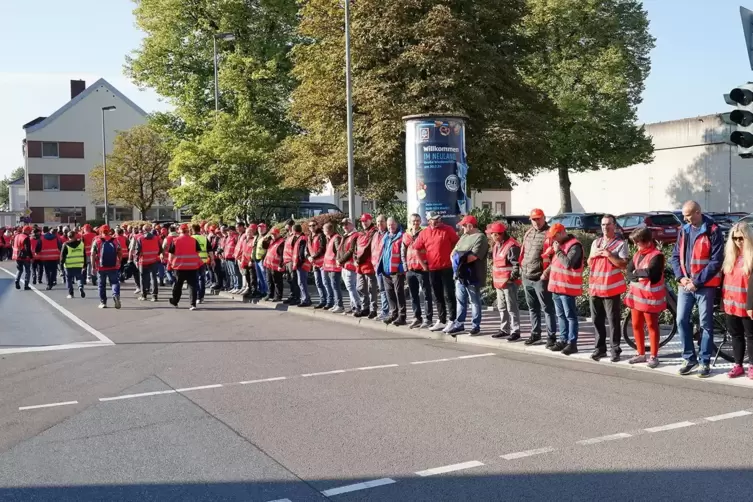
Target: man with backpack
<point x="105" y="259"/>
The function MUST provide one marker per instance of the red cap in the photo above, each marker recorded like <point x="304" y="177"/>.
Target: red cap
<point x="104" y="229"/>
<point x="184" y="228"/>
<point x="496" y="228"/>
<point x="275" y="231"/>
<point x="164" y="231"/>
<point x="537" y="213"/>
<point x="87" y="227"/>
<point x="252" y="226"/>
<point x="366" y="217"/>
<point x="27" y="229"/>
<point x="555" y="229"/>
<point x="469" y="219"/>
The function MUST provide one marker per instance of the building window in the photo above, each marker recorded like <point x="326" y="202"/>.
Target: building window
<point x="499" y="208"/>
<point x="51" y="215"/>
<point x="160" y="214"/>
<point x="367" y="206"/>
<point x="116" y="213"/>
<point x="51" y="182"/>
<point x="486" y="205"/>
<point x="50" y="150"/>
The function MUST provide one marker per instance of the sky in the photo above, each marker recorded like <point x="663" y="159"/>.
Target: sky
<point x="700" y="55"/>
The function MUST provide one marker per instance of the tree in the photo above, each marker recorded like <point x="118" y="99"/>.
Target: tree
<point x="591" y="62"/>
<point x="137" y="170"/>
<point x="410" y="56"/>
<point x="5" y="182"/>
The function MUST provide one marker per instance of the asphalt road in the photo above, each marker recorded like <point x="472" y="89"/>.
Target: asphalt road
<point x="234" y="402"/>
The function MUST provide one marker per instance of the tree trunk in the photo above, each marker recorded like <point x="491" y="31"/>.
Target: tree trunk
<point x="566" y="203"/>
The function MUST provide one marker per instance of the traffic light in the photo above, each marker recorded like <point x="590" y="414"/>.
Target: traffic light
<point x="742" y="98"/>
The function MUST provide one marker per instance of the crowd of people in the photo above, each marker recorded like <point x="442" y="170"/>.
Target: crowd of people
<point x="444" y="272"/>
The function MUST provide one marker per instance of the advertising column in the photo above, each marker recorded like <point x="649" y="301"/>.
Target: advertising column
<point x="435" y="164"/>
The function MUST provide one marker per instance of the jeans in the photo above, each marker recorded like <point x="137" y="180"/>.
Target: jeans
<point x="350" y="278"/>
<point x="23" y="267"/>
<point x="367" y="290"/>
<point x="335" y="292"/>
<point x="443" y="289"/>
<point x="185" y="276"/>
<point x="261" y="278"/>
<point x="704" y="298"/>
<point x="295" y="291"/>
<point x="324" y="298"/>
<point x="567" y="316"/>
<point x="303" y="285"/>
<point x="418" y="281"/>
<point x="50" y="271"/>
<point x="395" y="286"/>
<point x="383" y="296"/>
<point x="37" y="271"/>
<point x="74" y="274"/>
<point x="234" y="274"/>
<point x="114" y="278"/>
<point x="464" y="292"/>
<point x="603" y="309"/>
<point x="149" y="278"/>
<point x="201" y="281"/>
<point x="509" y="311"/>
<point x="539" y="298"/>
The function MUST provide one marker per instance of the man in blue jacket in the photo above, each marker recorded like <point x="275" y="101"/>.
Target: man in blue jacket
<point x="392" y="271"/>
<point x="697" y="263"/>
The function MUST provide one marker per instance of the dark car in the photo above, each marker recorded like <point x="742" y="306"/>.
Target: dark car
<point x="664" y="225"/>
<point x="513" y="220"/>
<point x="585" y="222"/>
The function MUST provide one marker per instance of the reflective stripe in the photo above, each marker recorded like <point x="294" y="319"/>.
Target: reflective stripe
<point x="734" y="303"/>
<point x="566" y="286"/>
<point x="699" y="262"/>
<point x="564" y="271"/>
<point x="74" y="258"/>
<point x="646" y="287"/>
<point x="605" y="274"/>
<point x="736" y="289"/>
<point x="646" y="301"/>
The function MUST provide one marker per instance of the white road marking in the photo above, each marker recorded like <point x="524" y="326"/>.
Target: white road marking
<point x="200" y="387"/>
<point x="358" y="486"/>
<point x="473" y="356"/>
<point x="450" y="468"/>
<point x="727" y="416"/>
<point x="669" y="427"/>
<point x="281" y="500"/>
<point x="527" y="453"/>
<point x="431" y="361"/>
<point x="602" y="439"/>
<point x="49" y="405"/>
<point x="132" y="396"/>
<point x="333" y="372"/>
<point x="48" y="348"/>
<point x="262" y="380"/>
<point x="365" y="368"/>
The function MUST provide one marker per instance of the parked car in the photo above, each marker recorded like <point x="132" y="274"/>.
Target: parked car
<point x="728" y="219"/>
<point x="664" y="225"/>
<point x="513" y="220"/>
<point x="585" y="222"/>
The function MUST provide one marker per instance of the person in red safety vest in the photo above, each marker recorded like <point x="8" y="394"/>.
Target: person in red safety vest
<point x="301" y="264"/>
<point x="287" y="260"/>
<point x="346" y="259"/>
<point x="37" y="269"/>
<point x="391" y="268"/>
<point x="48" y="253"/>
<point x="22" y="254"/>
<point x="367" y="281"/>
<point x="147" y="255"/>
<point x="106" y="255"/>
<point x="186" y="262"/>
<point x="737" y="297"/>
<point x="506" y="280"/>
<point x="566" y="285"/>
<point x="332" y="270"/>
<point x="87" y="237"/>
<point x="316" y="247"/>
<point x="417" y="277"/>
<point x="273" y="265"/>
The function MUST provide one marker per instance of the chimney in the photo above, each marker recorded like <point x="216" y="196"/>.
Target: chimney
<point x="77" y="87"/>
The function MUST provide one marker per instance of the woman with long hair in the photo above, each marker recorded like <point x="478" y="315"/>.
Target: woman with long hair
<point x="737" y="297"/>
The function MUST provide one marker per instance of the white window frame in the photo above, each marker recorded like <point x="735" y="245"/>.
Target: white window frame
<point x="486" y="205"/>
<point x="50" y="189"/>
<point x="503" y="211"/>
<point x="57" y="145"/>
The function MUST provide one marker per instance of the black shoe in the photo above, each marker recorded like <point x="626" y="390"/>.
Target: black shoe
<point x="533" y="340"/>
<point x="415" y="323"/>
<point x="570" y="348"/>
<point x="18" y="285"/>
<point x="48" y="287"/>
<point x="34" y="282"/>
<point x="268" y="298"/>
<point x="558" y="346"/>
<point x="82" y="293"/>
<point x="475" y="331"/>
<point x="304" y="304"/>
<point x="615" y="357"/>
<point x="173" y="302"/>
<point x="256" y="294"/>
<point x="597" y="354"/>
<point x="500" y="334"/>
<point x="399" y="322"/>
<point x="288" y="301"/>
<point x="372" y="315"/>
<point x="320" y="306"/>
<point x="389" y="320"/>
<point x="514" y="337"/>
<point x="27" y="288"/>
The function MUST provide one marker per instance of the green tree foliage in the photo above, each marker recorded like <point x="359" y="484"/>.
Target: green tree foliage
<point x="410" y="56"/>
<point x="591" y="62"/>
<point x="4" y="193"/>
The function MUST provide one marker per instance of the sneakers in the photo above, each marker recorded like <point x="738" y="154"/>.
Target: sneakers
<point x="102" y="306"/>
<point x="192" y="307"/>
<point x="154" y="299"/>
<point x="337" y="310"/>
<point x="736" y="371"/>
<point x="69" y="296"/>
<point x="173" y="302"/>
<point x="597" y="354"/>
<point x="116" y="301"/>
<point x="653" y="362"/>
<point x="475" y="331"/>
<point x="449" y="327"/>
<point x="416" y="323"/>
<point x="533" y="339"/>
<point x="18" y="286"/>
<point x="304" y="304"/>
<point x="500" y="334"/>
<point x="137" y="291"/>
<point x="615" y="357"/>
<point x="372" y="315"/>
<point x="514" y="337"/>
<point x="558" y="346"/>
<point x="640" y="358"/>
<point x="570" y="348"/>
<point x="319" y="306"/>
<point x="399" y="322"/>
<point x="389" y="320"/>
<point x="201" y="300"/>
<point x="82" y="293"/>
<point x="550" y="342"/>
<point x="142" y="298"/>
<point x="704" y="371"/>
<point x="455" y="329"/>
<point x="687" y="367"/>
<point x="438" y="326"/>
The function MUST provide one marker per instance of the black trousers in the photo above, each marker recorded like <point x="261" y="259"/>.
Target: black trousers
<point x="417" y="280"/>
<point x="181" y="277"/>
<point x="741" y="330"/>
<point x="603" y="309"/>
<point x="395" y="286"/>
<point x="443" y="289"/>
<point x="50" y="271"/>
<point x="295" y="291"/>
<point x="274" y="283"/>
<point x="253" y="281"/>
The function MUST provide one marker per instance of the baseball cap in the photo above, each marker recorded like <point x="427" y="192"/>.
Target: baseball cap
<point x="27" y="229"/>
<point x="496" y="228"/>
<point x="469" y="219"/>
<point x="366" y="217"/>
<point x="184" y="228"/>
<point x="537" y="213"/>
<point x="104" y="229"/>
<point x="555" y="229"/>
<point x="275" y="231"/>
<point x="433" y="215"/>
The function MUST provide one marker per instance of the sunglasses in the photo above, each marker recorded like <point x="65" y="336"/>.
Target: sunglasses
<point x="738" y="239"/>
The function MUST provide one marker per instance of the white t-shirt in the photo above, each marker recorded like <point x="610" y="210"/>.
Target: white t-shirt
<point x="600" y="243"/>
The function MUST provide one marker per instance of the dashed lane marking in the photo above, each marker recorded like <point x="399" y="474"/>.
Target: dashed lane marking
<point x="527" y="453"/>
<point x="281" y="500"/>
<point x="49" y="405"/>
<point x="133" y="396"/>
<point x="603" y="439"/>
<point x="443" y="360"/>
<point x="322" y="373"/>
<point x="669" y="427"/>
<point x="450" y="468"/>
<point x="727" y="416"/>
<point x="357" y="487"/>
<point x="262" y="380"/>
<point x="379" y="367"/>
<point x="200" y="387"/>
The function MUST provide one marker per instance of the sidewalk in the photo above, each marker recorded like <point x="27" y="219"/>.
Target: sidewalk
<point x="670" y="355"/>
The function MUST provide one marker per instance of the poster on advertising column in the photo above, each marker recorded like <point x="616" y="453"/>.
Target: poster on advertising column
<point x="436" y="168"/>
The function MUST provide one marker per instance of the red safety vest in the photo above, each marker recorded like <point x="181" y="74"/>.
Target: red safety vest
<point x="123" y="243"/>
<point x="700" y="258"/>
<point x="247" y="253"/>
<point x="185" y="256"/>
<point x="49" y="251"/>
<point x="364" y="242"/>
<point x="18" y="246"/>
<point x="347" y="243"/>
<point x="566" y="281"/>
<point x="313" y="246"/>
<point x="501" y="268"/>
<point x="287" y="251"/>
<point x="605" y="280"/>
<point x="63" y="238"/>
<point x="300" y="243"/>
<point x="735" y="290"/>
<point x="377" y="242"/>
<point x="240" y="247"/>
<point x="395" y="256"/>
<point x="273" y="261"/>
<point x="34" y="247"/>
<point x="330" y="256"/>
<point x="88" y="239"/>
<point x="149" y="253"/>
<point x="415" y="258"/>
<point x="230" y="243"/>
<point x="642" y="295"/>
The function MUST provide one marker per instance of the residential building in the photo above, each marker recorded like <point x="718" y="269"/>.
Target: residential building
<point x="17" y="195"/>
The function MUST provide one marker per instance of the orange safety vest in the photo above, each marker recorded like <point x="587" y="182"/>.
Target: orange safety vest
<point x="49" y="251"/>
<point x="642" y="295"/>
<point x="414" y="258"/>
<point x="185" y="256"/>
<point x="700" y="258"/>
<point x="123" y="243"/>
<point x="240" y="247"/>
<point x="566" y="281"/>
<point x="149" y="253"/>
<point x="345" y="244"/>
<point x="313" y="245"/>
<point x="377" y="241"/>
<point x="34" y="247"/>
<point x="273" y="260"/>
<point x="501" y="269"/>
<point x="363" y="242"/>
<point x="735" y="290"/>
<point x="247" y="253"/>
<point x="305" y="265"/>
<point x="605" y="280"/>
<point x="396" y="258"/>
<point x="88" y="239"/>
<point x="18" y="246"/>
<point x="287" y="251"/>
<point x="330" y="256"/>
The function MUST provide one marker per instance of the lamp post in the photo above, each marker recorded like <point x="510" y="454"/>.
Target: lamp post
<point x="104" y="162"/>
<point x="349" y="99"/>
<point x="218" y="36"/>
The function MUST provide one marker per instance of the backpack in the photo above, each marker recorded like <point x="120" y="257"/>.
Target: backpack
<point x="108" y="253"/>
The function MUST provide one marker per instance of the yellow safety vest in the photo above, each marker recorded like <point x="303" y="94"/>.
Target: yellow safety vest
<point x="74" y="257"/>
<point x="202" y="240"/>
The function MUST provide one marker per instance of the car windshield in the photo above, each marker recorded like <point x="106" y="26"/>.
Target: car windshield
<point x="591" y="220"/>
<point x="665" y="220"/>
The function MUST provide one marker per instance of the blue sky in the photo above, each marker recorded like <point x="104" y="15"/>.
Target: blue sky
<point x="699" y="55"/>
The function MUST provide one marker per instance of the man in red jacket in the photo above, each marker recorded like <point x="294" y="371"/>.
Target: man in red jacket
<point x="367" y="283"/>
<point x="438" y="241"/>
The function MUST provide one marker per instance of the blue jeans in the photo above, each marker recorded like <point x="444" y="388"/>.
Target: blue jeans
<point x="463" y="293"/>
<point x="102" y="277"/>
<point x="148" y="274"/>
<point x="303" y="285"/>
<point x="74" y="274"/>
<point x="201" y="282"/>
<point x="383" y="297"/>
<point x="324" y="297"/>
<point x="23" y="267"/>
<point x="350" y="278"/>
<point x="261" y="278"/>
<point x="704" y="298"/>
<point x="332" y="282"/>
<point x="567" y="317"/>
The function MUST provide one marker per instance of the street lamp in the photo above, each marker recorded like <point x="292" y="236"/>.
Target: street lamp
<point x="229" y="37"/>
<point x="349" y="99"/>
<point x="104" y="162"/>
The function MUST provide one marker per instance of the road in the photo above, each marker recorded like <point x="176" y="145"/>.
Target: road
<point x="235" y="402"/>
